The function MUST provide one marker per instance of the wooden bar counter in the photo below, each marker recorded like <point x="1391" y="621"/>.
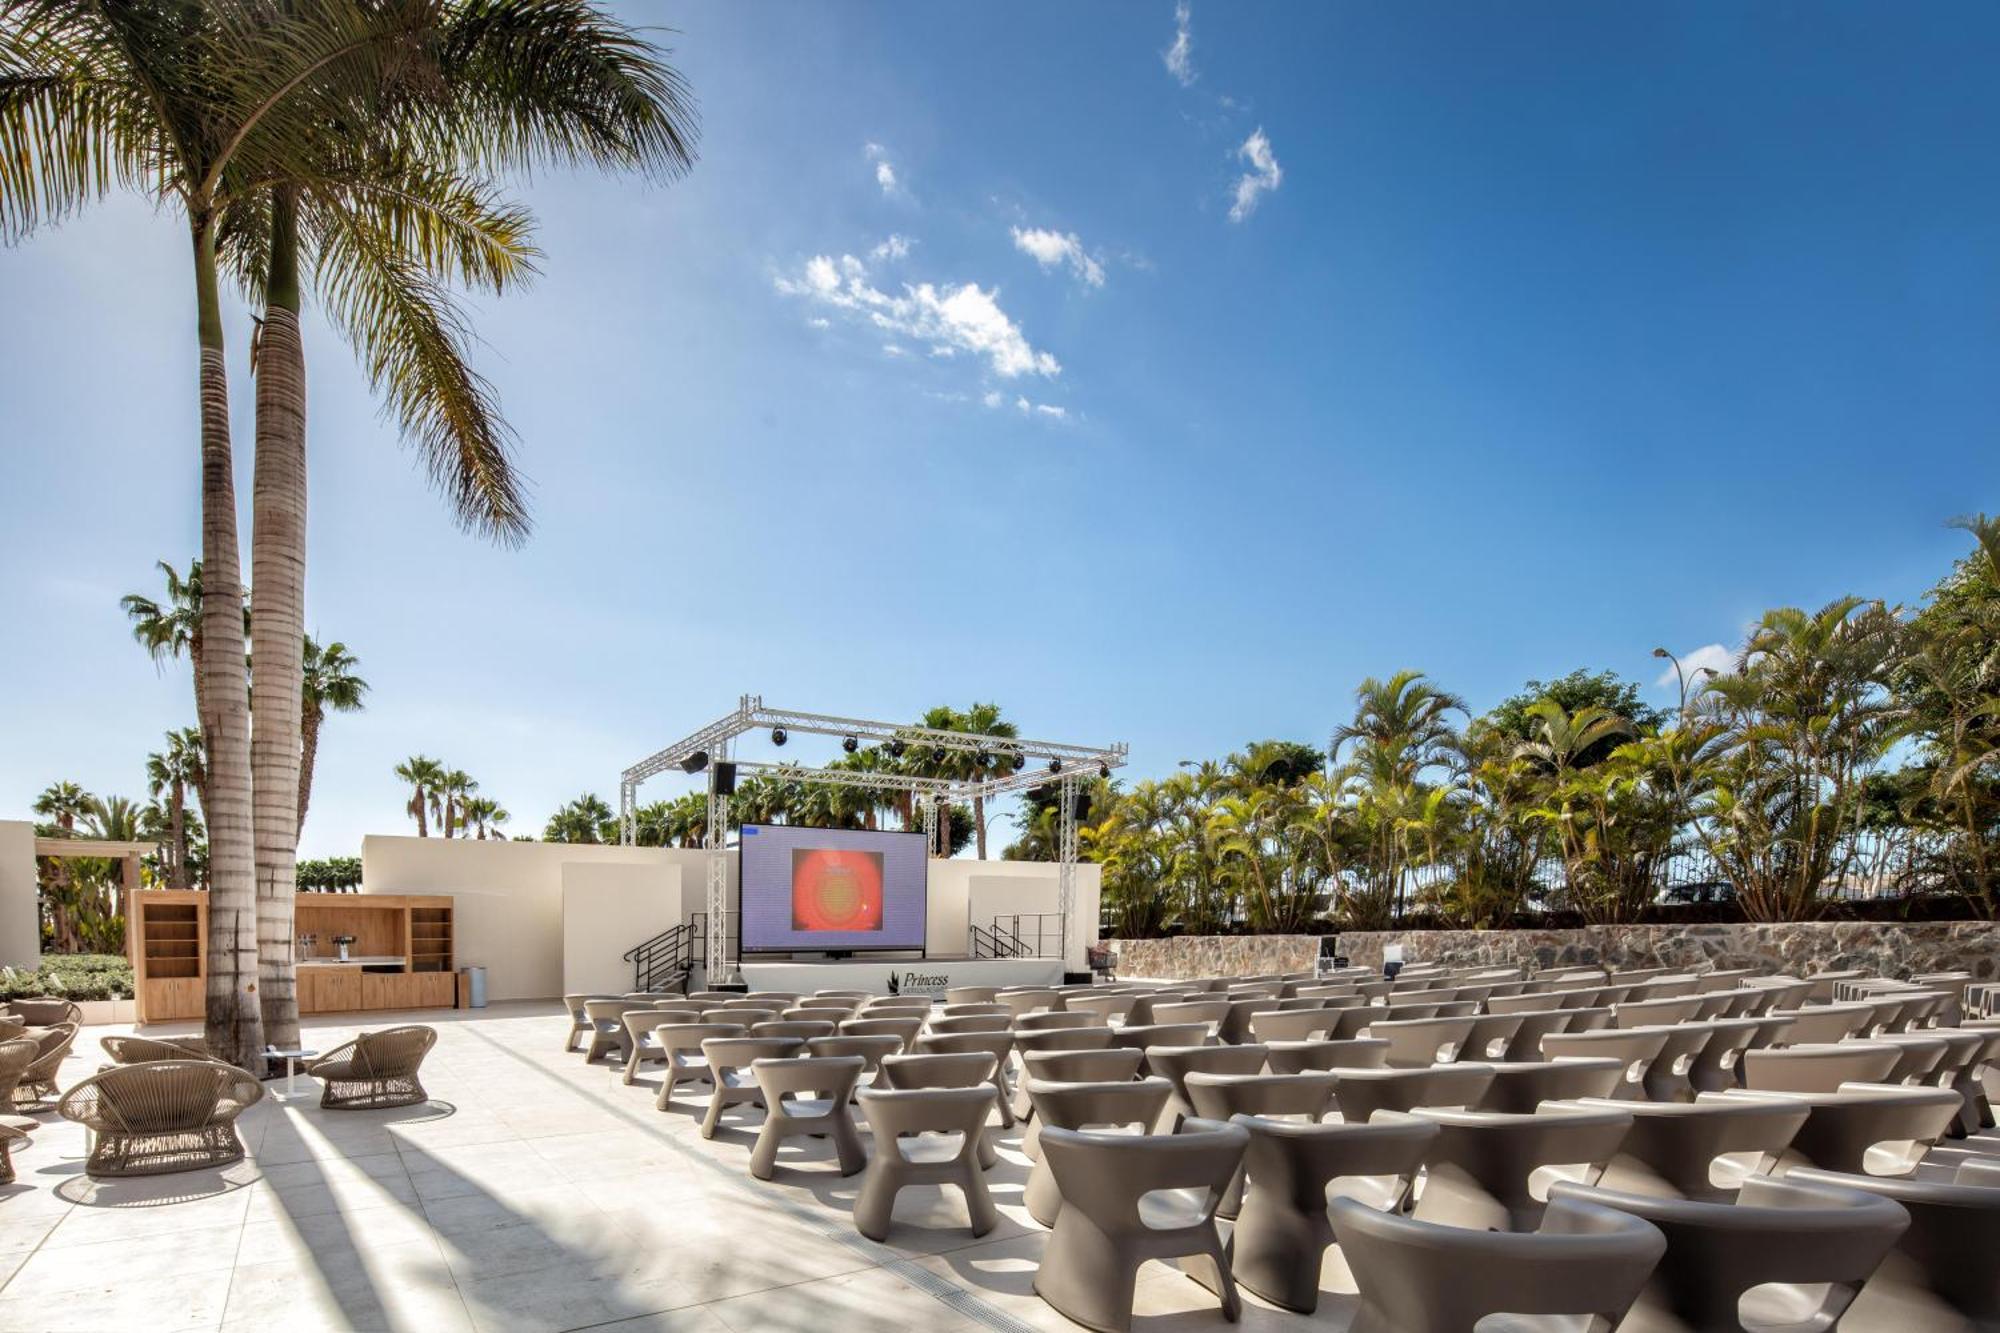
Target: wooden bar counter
<point x="401" y="958"/>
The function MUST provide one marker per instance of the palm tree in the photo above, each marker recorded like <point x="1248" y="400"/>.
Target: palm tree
<point x="195" y="106"/>
<point x="985" y="720"/>
<point x="171" y="629"/>
<point x="328" y="684"/>
<point x="584" y="819"/>
<point x="448" y="797"/>
<point x="423" y="774"/>
<point x="63" y="803"/>
<point x="486" y="815"/>
<point x="171" y="773"/>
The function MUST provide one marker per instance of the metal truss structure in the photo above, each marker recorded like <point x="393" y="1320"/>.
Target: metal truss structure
<point x="1032" y="764"/>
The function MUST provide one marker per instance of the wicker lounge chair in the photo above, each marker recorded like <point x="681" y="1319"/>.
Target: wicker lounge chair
<point x="16" y="1054"/>
<point x="37" y="1084"/>
<point x="140" y="1050"/>
<point x="46" y="1011"/>
<point x="374" y="1071"/>
<point x="161" y="1116"/>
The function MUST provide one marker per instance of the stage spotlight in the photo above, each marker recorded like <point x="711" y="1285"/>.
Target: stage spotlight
<point x="695" y="762"/>
<point x="1055" y="765"/>
<point x="850" y="744"/>
<point x="1104" y="770"/>
<point x="779" y="735"/>
<point x="895" y="747"/>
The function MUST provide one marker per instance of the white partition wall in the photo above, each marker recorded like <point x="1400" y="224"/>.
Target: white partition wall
<point x="608" y="908"/>
<point x="20" y="911"/>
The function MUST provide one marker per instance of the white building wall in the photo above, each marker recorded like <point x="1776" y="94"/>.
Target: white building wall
<point x="20" y="912"/>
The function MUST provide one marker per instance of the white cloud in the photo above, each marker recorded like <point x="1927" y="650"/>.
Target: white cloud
<point x="993" y="398"/>
<point x="1179" y="58"/>
<point x="1052" y="249"/>
<point x="1710" y="657"/>
<point x="1022" y="405"/>
<point x="885" y="171"/>
<point x="892" y="247"/>
<point x="893" y="349"/>
<point x="946" y="319"/>
<point x="1263" y="176"/>
<point x="819" y="323"/>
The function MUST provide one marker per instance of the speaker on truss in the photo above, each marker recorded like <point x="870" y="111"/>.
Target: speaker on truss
<point x="725" y="778"/>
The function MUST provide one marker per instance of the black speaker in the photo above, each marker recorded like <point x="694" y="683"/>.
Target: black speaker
<point x="725" y="779"/>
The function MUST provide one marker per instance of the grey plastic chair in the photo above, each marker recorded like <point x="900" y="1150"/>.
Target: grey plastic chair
<point x="1077" y="1106"/>
<point x="871" y="1049"/>
<point x="973" y="1009"/>
<point x="1726" y="1261"/>
<point x="1491" y="1036"/>
<point x="1715" y="1067"/>
<point x="1282" y="1233"/>
<point x="729" y="1073"/>
<point x="1128" y="1199"/>
<point x="1818" y="1024"/>
<point x="1175" y="1063"/>
<point x="907" y="1125"/>
<point x="1655" y="1013"/>
<point x="1921" y="1053"/>
<point x="1518" y="1089"/>
<point x="1308" y="1097"/>
<point x="999" y="1045"/>
<point x="1112" y="1064"/>
<point x="1419" y="1277"/>
<point x="806" y="1096"/>
<point x="1055" y="1039"/>
<point x="1636" y="1048"/>
<point x="970" y="994"/>
<point x="1049" y="1020"/>
<point x="607" y="1028"/>
<point x="969" y="1069"/>
<point x="971" y="1023"/>
<point x="1941" y="1277"/>
<point x="1820" y="1067"/>
<point x="579" y="1021"/>
<point x="1268" y="1025"/>
<point x="1864" y="1128"/>
<point x="806" y="1028"/>
<point x="906" y="1028"/>
<point x="1021" y="1002"/>
<point x="1419" y="1043"/>
<point x="639" y="1025"/>
<point x="1114" y="1008"/>
<point x="1208" y="1013"/>
<point x="1295" y="1057"/>
<point x="1359" y="1093"/>
<point x="1143" y="1036"/>
<point x="1667" y="1077"/>
<point x="680" y="1050"/>
<point x="1677" y="1150"/>
<point x="1526" y="1044"/>
<point x="1484" y="1168"/>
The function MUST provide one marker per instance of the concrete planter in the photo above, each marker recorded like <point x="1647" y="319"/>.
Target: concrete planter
<point x="96" y="1013"/>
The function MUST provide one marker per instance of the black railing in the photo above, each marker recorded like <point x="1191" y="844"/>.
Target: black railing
<point x="698" y="927"/>
<point x="1031" y="934"/>
<point x="996" y="943"/>
<point x="662" y="960"/>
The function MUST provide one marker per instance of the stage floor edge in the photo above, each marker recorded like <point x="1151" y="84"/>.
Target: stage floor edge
<point x="901" y="976"/>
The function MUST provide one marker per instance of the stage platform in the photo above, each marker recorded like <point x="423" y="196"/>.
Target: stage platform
<point x="900" y="976"/>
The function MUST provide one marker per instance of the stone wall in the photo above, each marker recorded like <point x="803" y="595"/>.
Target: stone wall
<point x="1886" y="948"/>
<point x="1215" y="955"/>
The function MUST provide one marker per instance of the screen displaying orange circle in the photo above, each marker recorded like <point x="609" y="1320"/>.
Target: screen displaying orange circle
<point x="836" y="890"/>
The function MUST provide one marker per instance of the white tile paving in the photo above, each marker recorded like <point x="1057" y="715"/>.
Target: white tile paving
<point x="535" y="1193"/>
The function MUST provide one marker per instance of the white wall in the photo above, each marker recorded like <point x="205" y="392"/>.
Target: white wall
<point x="509" y="901"/>
<point x="606" y="909"/>
<point x="20" y="914"/>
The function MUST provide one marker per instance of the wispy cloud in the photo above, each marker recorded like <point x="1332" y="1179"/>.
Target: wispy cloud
<point x="892" y="247"/>
<point x="1709" y="657"/>
<point x="1179" y="57"/>
<point x="946" y="319"/>
<point x="885" y="170"/>
<point x="1054" y="249"/>
<point x="1264" y="175"/>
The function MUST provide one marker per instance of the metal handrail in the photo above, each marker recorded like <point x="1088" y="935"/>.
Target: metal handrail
<point x="659" y="957"/>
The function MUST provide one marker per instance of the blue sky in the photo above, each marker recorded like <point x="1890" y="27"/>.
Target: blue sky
<point x="1486" y="340"/>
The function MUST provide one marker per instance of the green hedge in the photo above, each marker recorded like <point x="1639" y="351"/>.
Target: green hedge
<point x="74" y="976"/>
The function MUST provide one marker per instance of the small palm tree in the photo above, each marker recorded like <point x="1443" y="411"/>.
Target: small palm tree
<point x="585" y="819"/>
<point x="170" y="774"/>
<point x="63" y="803"/>
<point x="423" y="775"/>
<point x="449" y="795"/>
<point x="329" y="684"/>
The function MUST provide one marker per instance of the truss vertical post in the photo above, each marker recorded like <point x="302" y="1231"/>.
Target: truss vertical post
<point x="720" y="966"/>
<point x="1066" y="796"/>
<point x="627" y="823"/>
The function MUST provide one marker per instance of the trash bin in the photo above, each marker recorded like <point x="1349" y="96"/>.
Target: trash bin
<point x="475" y="985"/>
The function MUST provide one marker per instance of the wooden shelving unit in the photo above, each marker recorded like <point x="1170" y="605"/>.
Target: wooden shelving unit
<point x="166" y="937"/>
<point x="167" y="941"/>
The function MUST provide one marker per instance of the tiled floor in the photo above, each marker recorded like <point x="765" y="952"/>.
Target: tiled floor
<point x="534" y="1193"/>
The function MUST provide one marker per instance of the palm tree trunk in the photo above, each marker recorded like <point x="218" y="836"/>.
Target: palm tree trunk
<point x="234" y="1021"/>
<point x="308" y="753"/>
<point x="177" y="871"/>
<point x="979" y="822"/>
<point x="277" y="620"/>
